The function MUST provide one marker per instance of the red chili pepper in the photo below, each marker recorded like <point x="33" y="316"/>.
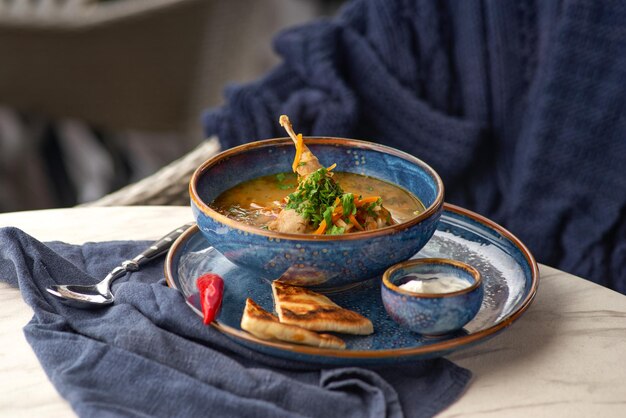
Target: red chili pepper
<point x="211" y="287"/>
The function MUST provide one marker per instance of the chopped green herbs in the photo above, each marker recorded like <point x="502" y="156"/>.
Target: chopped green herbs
<point x="316" y="193"/>
<point x="328" y="215"/>
<point x="280" y="177"/>
<point x="369" y="208"/>
<point x="335" y="230"/>
<point x="317" y="198"/>
<point x="347" y="201"/>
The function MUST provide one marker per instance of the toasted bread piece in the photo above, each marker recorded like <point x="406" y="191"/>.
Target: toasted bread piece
<point x="262" y="324"/>
<point x="311" y="310"/>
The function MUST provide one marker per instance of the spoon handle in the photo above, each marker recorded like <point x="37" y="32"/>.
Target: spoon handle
<point x="156" y="249"/>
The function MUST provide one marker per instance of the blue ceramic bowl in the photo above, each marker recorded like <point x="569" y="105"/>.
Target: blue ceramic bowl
<point x="431" y="313"/>
<point x="323" y="261"/>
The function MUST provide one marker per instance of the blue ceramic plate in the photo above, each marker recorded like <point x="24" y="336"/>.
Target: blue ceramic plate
<point x="508" y="269"/>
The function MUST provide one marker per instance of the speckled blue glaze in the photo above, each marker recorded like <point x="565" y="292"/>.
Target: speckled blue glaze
<point x="509" y="274"/>
<point x="308" y="260"/>
<point x="431" y="314"/>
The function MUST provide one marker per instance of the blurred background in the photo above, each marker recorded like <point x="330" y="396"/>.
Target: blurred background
<point x="98" y="94"/>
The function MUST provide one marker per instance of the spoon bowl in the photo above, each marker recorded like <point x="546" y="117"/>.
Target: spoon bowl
<point x="99" y="294"/>
<point x="90" y="296"/>
<point x="82" y="296"/>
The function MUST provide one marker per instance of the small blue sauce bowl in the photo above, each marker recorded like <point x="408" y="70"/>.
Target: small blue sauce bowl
<point x="431" y="314"/>
<point x="320" y="261"/>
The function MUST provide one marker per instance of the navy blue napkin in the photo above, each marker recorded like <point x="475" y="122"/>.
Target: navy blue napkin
<point x="150" y="355"/>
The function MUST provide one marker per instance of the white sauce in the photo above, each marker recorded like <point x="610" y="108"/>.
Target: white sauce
<point x="439" y="284"/>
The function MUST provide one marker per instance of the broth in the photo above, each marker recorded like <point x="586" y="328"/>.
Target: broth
<point x="256" y="202"/>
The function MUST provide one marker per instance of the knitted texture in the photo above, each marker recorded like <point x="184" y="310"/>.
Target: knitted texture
<point x="518" y="104"/>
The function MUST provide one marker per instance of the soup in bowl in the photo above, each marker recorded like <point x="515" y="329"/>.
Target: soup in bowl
<point x="238" y="198"/>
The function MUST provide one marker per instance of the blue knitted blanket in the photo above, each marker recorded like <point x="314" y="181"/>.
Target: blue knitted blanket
<point x="518" y="104"/>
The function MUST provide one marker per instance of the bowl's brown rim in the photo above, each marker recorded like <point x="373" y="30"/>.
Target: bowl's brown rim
<point x="410" y="263"/>
<point x="442" y="346"/>
<point x="344" y="142"/>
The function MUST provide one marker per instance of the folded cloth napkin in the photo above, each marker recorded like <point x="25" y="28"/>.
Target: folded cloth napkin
<point x="150" y="355"/>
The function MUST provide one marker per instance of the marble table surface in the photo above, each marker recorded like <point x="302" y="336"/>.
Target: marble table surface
<point x="564" y="357"/>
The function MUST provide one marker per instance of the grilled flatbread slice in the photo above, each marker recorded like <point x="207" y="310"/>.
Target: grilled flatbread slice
<point x="311" y="310"/>
<point x="262" y="324"/>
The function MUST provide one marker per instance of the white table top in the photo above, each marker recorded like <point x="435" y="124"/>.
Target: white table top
<point x="564" y="357"/>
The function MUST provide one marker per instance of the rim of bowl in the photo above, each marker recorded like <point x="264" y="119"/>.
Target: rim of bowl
<point x="478" y="279"/>
<point x="342" y="142"/>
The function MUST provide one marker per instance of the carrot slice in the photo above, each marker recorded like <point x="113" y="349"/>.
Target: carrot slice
<point x="338" y="212"/>
<point x="331" y="167"/>
<point x="337" y="215"/>
<point x="366" y="200"/>
<point x="322" y="228"/>
<point x="356" y="223"/>
<point x="299" y="149"/>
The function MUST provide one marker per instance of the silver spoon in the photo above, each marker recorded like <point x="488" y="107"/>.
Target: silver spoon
<point x="99" y="295"/>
